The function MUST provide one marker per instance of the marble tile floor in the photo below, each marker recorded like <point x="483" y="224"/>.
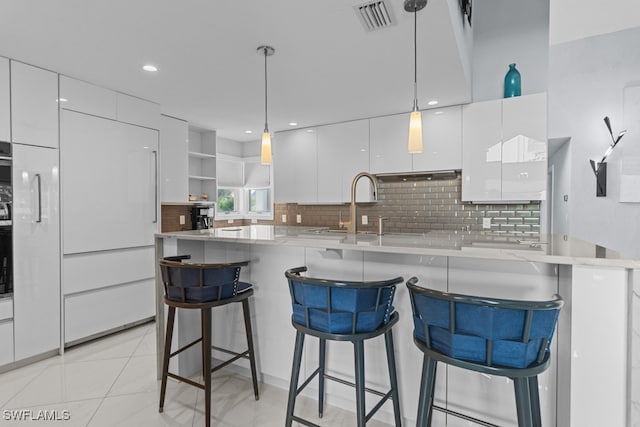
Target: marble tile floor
<point x="112" y="382"/>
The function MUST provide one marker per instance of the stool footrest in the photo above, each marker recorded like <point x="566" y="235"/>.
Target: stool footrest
<point x="464" y="416"/>
<point x="180" y="350"/>
<point x="243" y="355"/>
<point x="303" y="421"/>
<point x="186" y="380"/>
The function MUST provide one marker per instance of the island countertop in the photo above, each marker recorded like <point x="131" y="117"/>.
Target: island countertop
<point x="547" y="248"/>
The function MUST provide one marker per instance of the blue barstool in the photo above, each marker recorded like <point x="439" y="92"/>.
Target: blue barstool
<point x="342" y="311"/>
<point x="202" y="287"/>
<point x="507" y="338"/>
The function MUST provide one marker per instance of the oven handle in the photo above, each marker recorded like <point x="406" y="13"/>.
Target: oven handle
<point x="39" y="198"/>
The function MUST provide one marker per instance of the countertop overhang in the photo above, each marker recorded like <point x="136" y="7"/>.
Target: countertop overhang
<point x="547" y="248"/>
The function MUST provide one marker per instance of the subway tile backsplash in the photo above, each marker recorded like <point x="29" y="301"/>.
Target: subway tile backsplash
<point x="418" y="207"/>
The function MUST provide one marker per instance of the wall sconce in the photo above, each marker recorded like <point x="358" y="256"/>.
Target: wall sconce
<point x="600" y="169"/>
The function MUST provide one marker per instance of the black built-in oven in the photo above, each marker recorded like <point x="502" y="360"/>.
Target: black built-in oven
<point x="6" y="223"/>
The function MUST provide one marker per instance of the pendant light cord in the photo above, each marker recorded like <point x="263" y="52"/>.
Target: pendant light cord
<point x="415" y="59"/>
<point x="266" y="127"/>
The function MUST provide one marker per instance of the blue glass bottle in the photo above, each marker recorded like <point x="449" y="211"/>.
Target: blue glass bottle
<point x="512" y="82"/>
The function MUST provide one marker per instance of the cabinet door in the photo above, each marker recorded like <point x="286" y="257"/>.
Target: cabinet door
<point x="174" y="161"/>
<point x="87" y="98"/>
<point x="524" y="147"/>
<point x="36" y="228"/>
<point x="295" y="166"/>
<point x="5" y="106"/>
<point x="137" y="111"/>
<point x="442" y="139"/>
<point x="481" y="151"/>
<point x="388" y="143"/>
<point x="109" y="183"/>
<point x="343" y="152"/>
<point x="34" y="105"/>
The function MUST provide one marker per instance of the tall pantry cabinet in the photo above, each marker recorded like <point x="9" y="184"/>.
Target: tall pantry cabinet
<point x="109" y="162"/>
<point x="36" y="210"/>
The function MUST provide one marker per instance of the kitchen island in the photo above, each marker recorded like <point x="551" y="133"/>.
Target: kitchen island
<point x="591" y="380"/>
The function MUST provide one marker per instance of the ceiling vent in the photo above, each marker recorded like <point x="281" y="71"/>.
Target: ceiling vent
<point x="374" y="15"/>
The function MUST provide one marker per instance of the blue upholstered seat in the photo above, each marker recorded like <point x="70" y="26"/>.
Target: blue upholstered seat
<point x="334" y="310"/>
<point x="201" y="282"/>
<point x="344" y="308"/>
<point x="501" y="337"/>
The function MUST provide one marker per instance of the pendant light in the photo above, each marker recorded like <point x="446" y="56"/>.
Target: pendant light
<point x="415" y="120"/>
<point x="265" y="152"/>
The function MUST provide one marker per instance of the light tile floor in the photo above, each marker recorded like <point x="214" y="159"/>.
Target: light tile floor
<point x="112" y="382"/>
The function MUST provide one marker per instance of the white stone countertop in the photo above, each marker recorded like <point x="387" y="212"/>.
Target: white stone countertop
<point x="547" y="248"/>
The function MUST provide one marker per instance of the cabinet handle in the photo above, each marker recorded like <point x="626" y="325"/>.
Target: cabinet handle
<point x="39" y="178"/>
<point x="155" y="186"/>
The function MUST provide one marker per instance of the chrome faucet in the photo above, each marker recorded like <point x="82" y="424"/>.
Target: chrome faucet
<point x="351" y="224"/>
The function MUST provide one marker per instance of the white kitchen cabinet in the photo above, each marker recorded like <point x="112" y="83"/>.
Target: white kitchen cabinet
<point x="505" y="149"/>
<point x="524" y="147"/>
<point x="78" y="95"/>
<point x="6" y="308"/>
<point x="295" y="166"/>
<point x="174" y="160"/>
<point x="6" y="338"/>
<point x="442" y="140"/>
<point x="36" y="260"/>
<point x="482" y="151"/>
<point x="388" y="144"/>
<point x="34" y="105"/>
<point x="343" y="152"/>
<point x="92" y="313"/>
<point x="109" y="183"/>
<point x="137" y="111"/>
<point x="5" y="104"/>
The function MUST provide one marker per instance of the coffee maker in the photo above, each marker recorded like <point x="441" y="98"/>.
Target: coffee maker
<point x="202" y="216"/>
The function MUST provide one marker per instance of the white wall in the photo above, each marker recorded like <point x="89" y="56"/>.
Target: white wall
<point x="560" y="161"/>
<point x="229" y="146"/>
<point x="587" y="82"/>
<point x="505" y="32"/>
<point x="577" y="19"/>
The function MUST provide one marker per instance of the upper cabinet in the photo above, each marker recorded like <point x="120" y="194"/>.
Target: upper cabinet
<point x="34" y="105"/>
<point x="87" y="98"/>
<point x="5" y="105"/>
<point x="442" y="140"/>
<point x="174" y="161"/>
<point x="295" y="166"/>
<point x="343" y="152"/>
<point x="137" y="111"/>
<point x="388" y="144"/>
<point x="505" y="149"/>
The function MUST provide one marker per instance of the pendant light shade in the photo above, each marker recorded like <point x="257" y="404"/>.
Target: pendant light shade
<point x="265" y="152"/>
<point x="415" y="120"/>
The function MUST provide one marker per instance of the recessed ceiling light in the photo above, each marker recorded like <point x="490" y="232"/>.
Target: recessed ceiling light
<point x="293" y="124"/>
<point x="363" y="150"/>
<point x="309" y="130"/>
<point x="150" y="68"/>
<point x="439" y="112"/>
<point x="61" y="100"/>
<point x="433" y="102"/>
<point x="248" y="131"/>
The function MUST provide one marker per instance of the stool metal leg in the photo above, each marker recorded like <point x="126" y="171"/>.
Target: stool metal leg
<point x="393" y="378"/>
<point x="427" y="392"/>
<point x="252" y="356"/>
<point x="523" y="403"/>
<point x="321" y="379"/>
<point x="205" y="315"/>
<point x="167" y="352"/>
<point x="534" y="396"/>
<point x="360" y="396"/>
<point x="295" y="374"/>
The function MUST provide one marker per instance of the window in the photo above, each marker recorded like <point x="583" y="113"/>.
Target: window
<point x="259" y="200"/>
<point x="228" y="200"/>
<point x="244" y="188"/>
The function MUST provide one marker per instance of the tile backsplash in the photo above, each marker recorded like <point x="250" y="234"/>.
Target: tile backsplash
<point x="418" y="206"/>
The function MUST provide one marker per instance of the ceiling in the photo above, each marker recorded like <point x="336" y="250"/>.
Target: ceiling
<point x="326" y="68"/>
